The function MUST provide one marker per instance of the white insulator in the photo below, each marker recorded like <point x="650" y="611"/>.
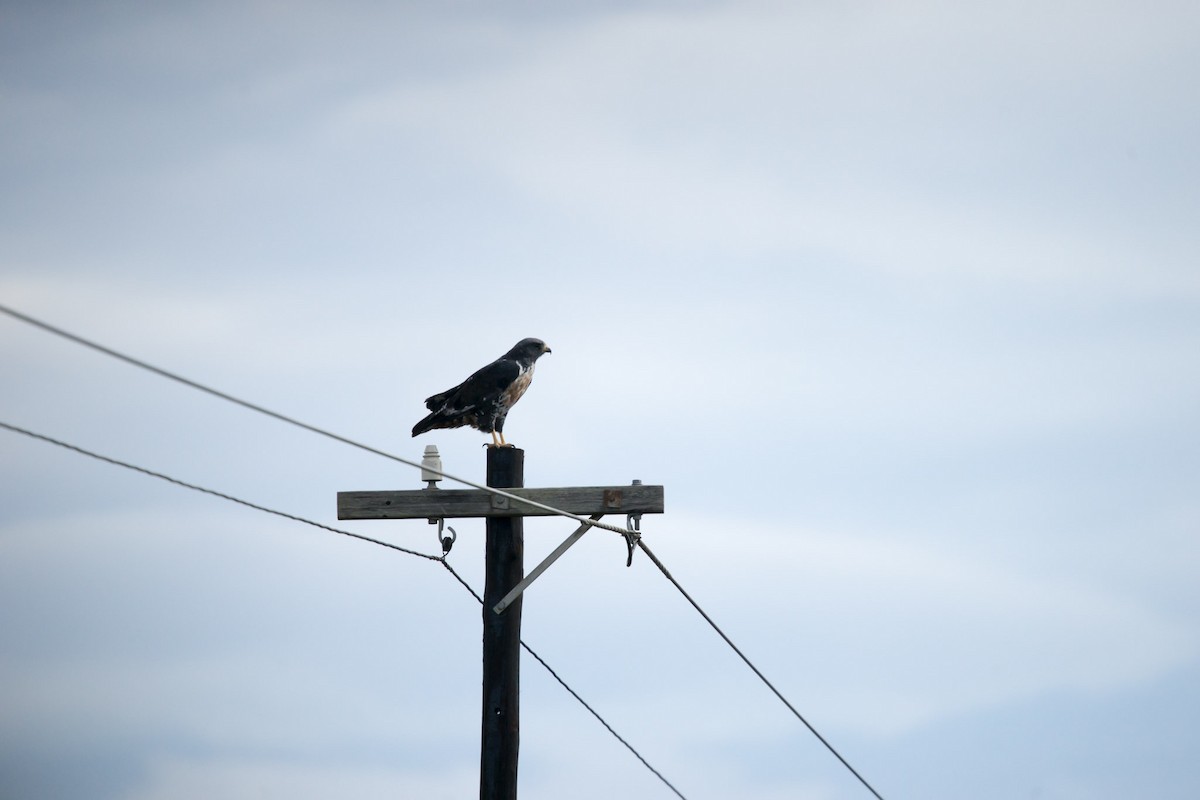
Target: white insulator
<point x="430" y="462"/>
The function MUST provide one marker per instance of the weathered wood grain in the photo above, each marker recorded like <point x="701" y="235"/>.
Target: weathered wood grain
<point x="457" y="503"/>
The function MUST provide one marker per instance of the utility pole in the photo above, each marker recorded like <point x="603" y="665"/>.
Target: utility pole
<point x="504" y="570"/>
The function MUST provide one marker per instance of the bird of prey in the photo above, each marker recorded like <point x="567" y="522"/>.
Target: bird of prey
<point x="484" y="399"/>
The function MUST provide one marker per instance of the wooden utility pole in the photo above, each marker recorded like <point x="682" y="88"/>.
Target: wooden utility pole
<point x="504" y="569"/>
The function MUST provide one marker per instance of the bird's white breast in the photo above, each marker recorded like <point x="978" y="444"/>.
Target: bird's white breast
<point x="517" y="388"/>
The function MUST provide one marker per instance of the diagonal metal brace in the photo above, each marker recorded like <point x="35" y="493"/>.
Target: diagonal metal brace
<point x="512" y="596"/>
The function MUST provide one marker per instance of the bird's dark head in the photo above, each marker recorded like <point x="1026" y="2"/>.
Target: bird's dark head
<point x="528" y="350"/>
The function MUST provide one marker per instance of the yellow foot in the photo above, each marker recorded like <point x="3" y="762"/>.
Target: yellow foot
<point x="498" y="441"/>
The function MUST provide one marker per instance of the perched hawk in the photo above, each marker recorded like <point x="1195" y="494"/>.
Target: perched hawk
<point x="484" y="399"/>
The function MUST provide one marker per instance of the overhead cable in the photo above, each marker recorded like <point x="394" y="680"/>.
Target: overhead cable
<point x="662" y="568"/>
<point x="550" y="509"/>
<point x="108" y="351"/>
<point x="440" y="559"/>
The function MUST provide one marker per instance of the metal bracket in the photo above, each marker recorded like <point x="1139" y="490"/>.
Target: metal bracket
<point x="634" y="524"/>
<point x="512" y="596"/>
<point x="447" y="541"/>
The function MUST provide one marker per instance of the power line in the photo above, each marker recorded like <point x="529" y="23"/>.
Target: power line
<point x="213" y="492"/>
<point x="440" y="559"/>
<point x="164" y="373"/>
<point x="574" y="694"/>
<point x="662" y="568"/>
<point x="550" y="509"/>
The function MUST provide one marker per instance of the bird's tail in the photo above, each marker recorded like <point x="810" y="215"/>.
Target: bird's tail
<point x="439" y="419"/>
<point x="427" y="424"/>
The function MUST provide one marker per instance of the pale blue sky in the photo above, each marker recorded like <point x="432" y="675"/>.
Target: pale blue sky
<point x="899" y="301"/>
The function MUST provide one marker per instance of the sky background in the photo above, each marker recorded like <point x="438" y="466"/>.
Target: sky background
<point x="899" y="301"/>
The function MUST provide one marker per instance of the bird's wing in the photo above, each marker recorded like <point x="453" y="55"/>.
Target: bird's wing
<point x="483" y="385"/>
<point x="436" y="401"/>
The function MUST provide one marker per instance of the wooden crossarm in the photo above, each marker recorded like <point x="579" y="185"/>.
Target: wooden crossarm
<point x="458" y="503"/>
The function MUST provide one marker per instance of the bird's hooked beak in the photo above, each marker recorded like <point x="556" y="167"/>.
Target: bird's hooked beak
<point x="546" y="349"/>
